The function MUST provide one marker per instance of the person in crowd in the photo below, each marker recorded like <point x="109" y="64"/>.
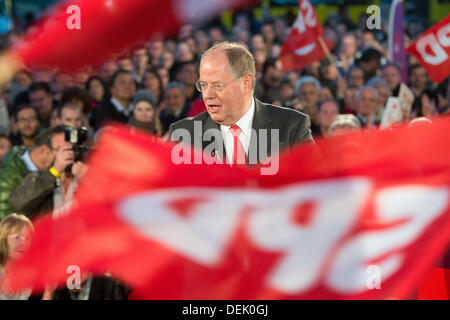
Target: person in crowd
<point x="140" y="61"/>
<point x="346" y="54"/>
<point x="42" y="100"/>
<point x="107" y="70"/>
<point x="227" y="80"/>
<point x="188" y="77"/>
<point x="383" y="92"/>
<point x="344" y="124"/>
<point x="20" y="161"/>
<point x="328" y="110"/>
<point x="366" y="103"/>
<point x="15" y="236"/>
<point x="307" y="90"/>
<point x="96" y="90"/>
<point x="355" y="77"/>
<point x="176" y="106"/>
<point x="391" y="73"/>
<point x="28" y="125"/>
<point x="70" y="114"/>
<point x="153" y="82"/>
<point x="145" y="116"/>
<point x="119" y="107"/>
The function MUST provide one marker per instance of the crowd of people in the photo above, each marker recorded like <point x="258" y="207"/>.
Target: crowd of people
<point x="155" y="86"/>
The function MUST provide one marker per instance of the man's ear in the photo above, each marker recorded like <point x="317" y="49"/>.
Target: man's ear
<point x="248" y="82"/>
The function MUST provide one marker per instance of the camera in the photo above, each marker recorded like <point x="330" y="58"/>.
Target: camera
<point x="78" y="138"/>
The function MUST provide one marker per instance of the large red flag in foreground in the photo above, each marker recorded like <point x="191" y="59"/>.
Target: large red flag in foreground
<point x="353" y="217"/>
<point x="302" y="46"/>
<point x="83" y="33"/>
<point x="432" y="50"/>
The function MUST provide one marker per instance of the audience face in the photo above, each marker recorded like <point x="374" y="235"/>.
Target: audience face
<point x="58" y="142"/>
<point x="188" y="75"/>
<point x="140" y="58"/>
<point x="226" y="105"/>
<point x="383" y="95"/>
<point x="325" y="94"/>
<point x="71" y="116"/>
<point x="164" y="75"/>
<point x="184" y="52"/>
<point x="151" y="82"/>
<point x="155" y="50"/>
<point x="366" y="102"/>
<point x="350" y="99"/>
<point x="43" y="102"/>
<point x="309" y="94"/>
<point x="96" y="90"/>
<point x="418" y="78"/>
<point x="327" y="113"/>
<point x="107" y="70"/>
<point x="54" y="118"/>
<point x="5" y="145"/>
<point x="258" y="42"/>
<point x="23" y="79"/>
<point x="391" y="76"/>
<point x="27" y="123"/>
<point x="126" y="64"/>
<point x="143" y="111"/>
<point x="18" y="243"/>
<point x="123" y="87"/>
<point x="175" y="99"/>
<point x="356" y="77"/>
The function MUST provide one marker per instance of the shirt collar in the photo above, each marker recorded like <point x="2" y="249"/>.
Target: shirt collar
<point x="28" y="162"/>
<point x="120" y="108"/>
<point x="245" y="123"/>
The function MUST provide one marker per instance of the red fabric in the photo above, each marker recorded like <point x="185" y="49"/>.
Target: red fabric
<point x="436" y="286"/>
<point x="108" y="29"/>
<point x="239" y="155"/>
<point x="197" y="107"/>
<point x="311" y="231"/>
<point x="302" y="46"/>
<point x="432" y="50"/>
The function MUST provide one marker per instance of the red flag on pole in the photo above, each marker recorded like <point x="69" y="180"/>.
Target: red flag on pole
<point x="84" y="33"/>
<point x="432" y="50"/>
<point x="353" y="217"/>
<point x="302" y="46"/>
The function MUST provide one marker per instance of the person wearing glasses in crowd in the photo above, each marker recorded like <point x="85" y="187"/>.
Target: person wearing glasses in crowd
<point x="227" y="82"/>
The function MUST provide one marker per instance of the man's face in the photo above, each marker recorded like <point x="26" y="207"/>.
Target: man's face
<point x="188" y="74"/>
<point x="356" y="78"/>
<point x="367" y="102"/>
<point x="123" y="87"/>
<point x="348" y="46"/>
<point x="175" y="99"/>
<point x="418" y="77"/>
<point x="383" y="95"/>
<point x="309" y="94"/>
<point x="108" y="69"/>
<point x="225" y="105"/>
<point x="71" y="117"/>
<point x="327" y="114"/>
<point x="58" y="142"/>
<point x="42" y="101"/>
<point x="27" y="123"/>
<point x="391" y="76"/>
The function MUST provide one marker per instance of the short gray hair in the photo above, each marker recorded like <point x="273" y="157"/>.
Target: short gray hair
<point x="364" y="88"/>
<point x="307" y="79"/>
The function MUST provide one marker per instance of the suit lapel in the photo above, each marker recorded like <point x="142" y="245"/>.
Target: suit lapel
<point x="219" y="148"/>
<point x="261" y="120"/>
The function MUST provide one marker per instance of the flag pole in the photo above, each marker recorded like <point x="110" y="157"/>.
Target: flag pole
<point x="325" y="49"/>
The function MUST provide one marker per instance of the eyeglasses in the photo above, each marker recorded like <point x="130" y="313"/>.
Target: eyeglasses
<point x="217" y="86"/>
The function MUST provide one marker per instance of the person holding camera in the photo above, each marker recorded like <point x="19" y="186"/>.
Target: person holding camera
<point x="50" y="189"/>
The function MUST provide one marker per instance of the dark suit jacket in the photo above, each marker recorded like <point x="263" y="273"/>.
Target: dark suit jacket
<point x="106" y="111"/>
<point x="293" y="128"/>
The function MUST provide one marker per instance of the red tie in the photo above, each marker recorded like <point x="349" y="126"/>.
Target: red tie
<point x="239" y="156"/>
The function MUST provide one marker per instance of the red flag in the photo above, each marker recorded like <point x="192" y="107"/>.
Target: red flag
<point x="302" y="46"/>
<point x="353" y="217"/>
<point x="432" y="50"/>
<point x="88" y="32"/>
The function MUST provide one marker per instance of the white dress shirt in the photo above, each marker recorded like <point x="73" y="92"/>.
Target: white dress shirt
<point x="120" y="108"/>
<point x="245" y="123"/>
<point x="28" y="162"/>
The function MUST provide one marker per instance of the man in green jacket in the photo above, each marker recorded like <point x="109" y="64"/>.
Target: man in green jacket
<point x="20" y="161"/>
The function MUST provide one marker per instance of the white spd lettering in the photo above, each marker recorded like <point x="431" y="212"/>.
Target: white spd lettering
<point x="418" y="206"/>
<point x="272" y="228"/>
<point x="305" y="16"/>
<point x="439" y="55"/>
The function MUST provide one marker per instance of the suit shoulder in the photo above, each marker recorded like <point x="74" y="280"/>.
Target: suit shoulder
<point x="286" y="114"/>
<point x="189" y="122"/>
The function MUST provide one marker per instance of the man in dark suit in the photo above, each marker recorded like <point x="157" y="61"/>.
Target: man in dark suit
<point x="237" y="128"/>
<point x="119" y="107"/>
